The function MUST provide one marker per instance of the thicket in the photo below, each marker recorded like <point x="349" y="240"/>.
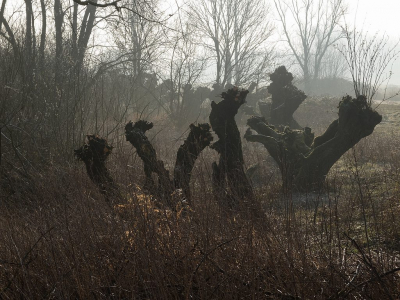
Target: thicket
<point x="154" y="213"/>
<point x="62" y="239"/>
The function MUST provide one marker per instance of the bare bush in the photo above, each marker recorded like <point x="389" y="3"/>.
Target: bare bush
<point x="368" y="58"/>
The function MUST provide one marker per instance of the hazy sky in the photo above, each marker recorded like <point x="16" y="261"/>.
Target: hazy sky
<point x="378" y="15"/>
<point x="382" y="15"/>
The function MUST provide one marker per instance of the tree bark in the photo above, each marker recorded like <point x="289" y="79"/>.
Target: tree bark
<point x="229" y="178"/>
<point x="304" y="161"/>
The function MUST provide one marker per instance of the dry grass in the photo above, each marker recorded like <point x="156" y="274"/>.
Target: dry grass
<point x="61" y="240"/>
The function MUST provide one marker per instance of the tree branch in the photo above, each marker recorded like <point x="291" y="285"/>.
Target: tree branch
<point x="114" y="3"/>
<point x="118" y="8"/>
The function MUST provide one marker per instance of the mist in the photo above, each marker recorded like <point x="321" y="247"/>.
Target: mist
<point x="200" y="149"/>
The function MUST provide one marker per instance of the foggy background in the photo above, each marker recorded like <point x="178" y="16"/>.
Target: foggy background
<point x="68" y="69"/>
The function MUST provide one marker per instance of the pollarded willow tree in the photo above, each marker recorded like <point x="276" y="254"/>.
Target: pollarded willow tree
<point x="95" y="152"/>
<point x="199" y="137"/>
<point x="229" y="178"/>
<point x="286" y="99"/>
<point x="304" y="161"/>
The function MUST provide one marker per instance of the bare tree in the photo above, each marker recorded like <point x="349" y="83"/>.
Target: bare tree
<point x="333" y="64"/>
<point x="58" y="60"/>
<point x="185" y="65"/>
<point x="310" y="28"/>
<point x="138" y="37"/>
<point x="367" y="58"/>
<point x="235" y="32"/>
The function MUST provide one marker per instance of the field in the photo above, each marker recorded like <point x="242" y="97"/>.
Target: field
<point x="61" y="240"/>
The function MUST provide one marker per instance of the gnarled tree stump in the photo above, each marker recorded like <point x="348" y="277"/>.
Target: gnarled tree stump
<point x="304" y="161"/>
<point x="199" y="137"/>
<point x="286" y="99"/>
<point x="135" y="133"/>
<point x="229" y="178"/>
<point x="94" y="154"/>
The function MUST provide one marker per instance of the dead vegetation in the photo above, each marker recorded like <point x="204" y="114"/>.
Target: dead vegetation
<point x="145" y="209"/>
<point x="60" y="239"/>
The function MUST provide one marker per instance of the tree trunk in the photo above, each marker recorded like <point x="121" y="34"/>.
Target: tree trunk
<point x="286" y="98"/>
<point x="304" y="161"/>
<point x="3" y="6"/>
<point x="84" y="34"/>
<point x="75" y="31"/>
<point x="42" y="36"/>
<point x="28" y="30"/>
<point x="94" y="154"/>
<point x="58" y="70"/>
<point x="229" y="179"/>
<point x="29" y="58"/>
<point x="198" y="138"/>
<point x="11" y="38"/>
<point x="136" y="134"/>
<point x="307" y="76"/>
